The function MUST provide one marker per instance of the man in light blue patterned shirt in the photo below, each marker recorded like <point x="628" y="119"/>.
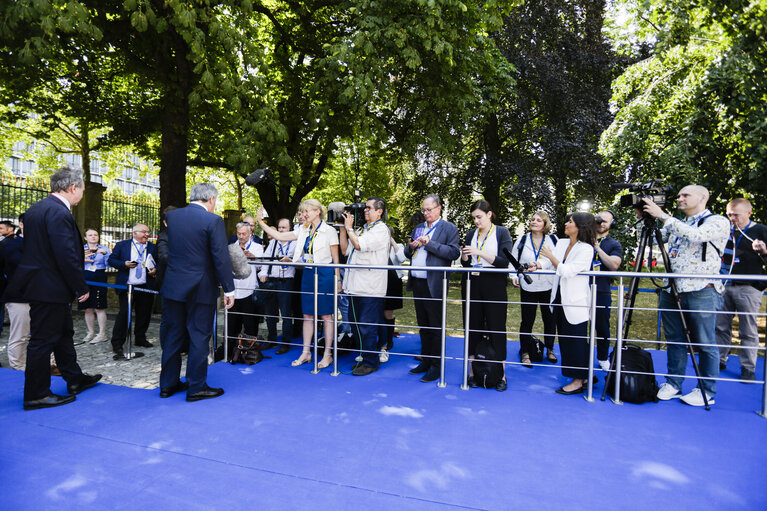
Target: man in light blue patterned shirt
<point x="695" y="245"/>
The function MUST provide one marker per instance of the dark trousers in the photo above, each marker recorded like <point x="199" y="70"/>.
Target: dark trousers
<point x="50" y="331"/>
<point x="530" y="301"/>
<point x="602" y="324"/>
<point x="141" y="307"/>
<point x="573" y="345"/>
<point x="196" y="321"/>
<point x="487" y="312"/>
<point x="242" y="314"/>
<point x="295" y="303"/>
<point x="365" y="314"/>
<point x="279" y="303"/>
<point x="428" y="313"/>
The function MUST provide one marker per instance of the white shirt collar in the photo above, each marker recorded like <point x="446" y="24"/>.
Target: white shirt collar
<point x="62" y="199"/>
<point x="198" y="204"/>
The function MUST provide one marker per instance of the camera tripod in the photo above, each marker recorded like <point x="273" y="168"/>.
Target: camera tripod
<point x="649" y="231"/>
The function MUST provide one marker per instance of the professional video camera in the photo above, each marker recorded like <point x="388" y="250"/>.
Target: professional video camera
<point x="357" y="209"/>
<point x="653" y="190"/>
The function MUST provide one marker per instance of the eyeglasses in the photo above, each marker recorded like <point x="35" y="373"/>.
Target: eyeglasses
<point x="428" y="210"/>
<point x="145" y="232"/>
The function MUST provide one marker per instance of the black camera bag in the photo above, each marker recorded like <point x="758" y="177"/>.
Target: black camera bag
<point x="536" y="349"/>
<point x="488" y="371"/>
<point x="635" y="388"/>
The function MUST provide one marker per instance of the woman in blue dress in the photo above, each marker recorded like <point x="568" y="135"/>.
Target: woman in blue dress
<point x="317" y="244"/>
<point x="95" y="306"/>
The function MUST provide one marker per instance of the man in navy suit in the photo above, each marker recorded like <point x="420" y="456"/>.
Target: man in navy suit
<point x="198" y="260"/>
<point x="135" y="260"/>
<point x="50" y="276"/>
<point x="435" y="243"/>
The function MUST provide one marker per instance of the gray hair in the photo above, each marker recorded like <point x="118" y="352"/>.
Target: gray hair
<point x="65" y="177"/>
<point x="243" y="224"/>
<point x="435" y="198"/>
<point x="203" y="192"/>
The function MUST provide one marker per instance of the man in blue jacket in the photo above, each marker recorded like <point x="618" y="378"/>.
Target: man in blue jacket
<point x="435" y="243"/>
<point x="198" y="260"/>
<point x="50" y="276"/>
<point x="135" y="261"/>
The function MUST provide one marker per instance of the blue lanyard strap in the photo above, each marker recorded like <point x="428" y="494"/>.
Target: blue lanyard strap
<point x="536" y="252"/>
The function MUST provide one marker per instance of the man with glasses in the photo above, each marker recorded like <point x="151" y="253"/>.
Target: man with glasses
<point x="608" y="254"/>
<point x="434" y="243"/>
<point x="741" y="296"/>
<point x="135" y="261"/>
<point x="368" y="245"/>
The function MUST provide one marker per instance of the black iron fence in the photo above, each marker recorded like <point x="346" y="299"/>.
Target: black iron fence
<point x="119" y="214"/>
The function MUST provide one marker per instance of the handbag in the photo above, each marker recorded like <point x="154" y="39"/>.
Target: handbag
<point x="246" y="352"/>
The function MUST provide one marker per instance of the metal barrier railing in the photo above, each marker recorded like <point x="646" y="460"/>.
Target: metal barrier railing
<point x="619" y="340"/>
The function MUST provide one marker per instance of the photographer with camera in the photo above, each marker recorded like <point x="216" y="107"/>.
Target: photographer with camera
<point x="366" y="245"/>
<point x="694" y="247"/>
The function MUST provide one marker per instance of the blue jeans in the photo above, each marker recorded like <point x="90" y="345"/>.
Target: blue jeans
<point x="702" y="326"/>
<point x="343" y="305"/>
<point x="367" y="314"/>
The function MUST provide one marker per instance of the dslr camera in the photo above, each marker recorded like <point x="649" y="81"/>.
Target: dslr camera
<point x="654" y="190"/>
<point x="336" y="210"/>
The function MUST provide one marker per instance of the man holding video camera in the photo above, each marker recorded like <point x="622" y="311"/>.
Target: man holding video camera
<point x="367" y="245"/>
<point x="695" y="245"/>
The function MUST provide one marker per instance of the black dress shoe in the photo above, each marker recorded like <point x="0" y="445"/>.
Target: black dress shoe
<point x="144" y="344"/>
<point x="48" y="401"/>
<point x="178" y="387"/>
<point x="205" y="393"/>
<point x="284" y="348"/>
<point x="471" y="382"/>
<point x="363" y="370"/>
<point x="501" y="386"/>
<point x="432" y="374"/>
<point x="420" y="368"/>
<point x="561" y="390"/>
<point x="87" y="381"/>
<point x="267" y="345"/>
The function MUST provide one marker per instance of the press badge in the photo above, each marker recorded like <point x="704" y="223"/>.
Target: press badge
<point x="736" y="260"/>
<point x="478" y="265"/>
<point x="597" y="265"/>
<point x="673" y="251"/>
<point x="308" y="258"/>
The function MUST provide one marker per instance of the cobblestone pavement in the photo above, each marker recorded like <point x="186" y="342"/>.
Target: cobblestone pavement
<point x="142" y="373"/>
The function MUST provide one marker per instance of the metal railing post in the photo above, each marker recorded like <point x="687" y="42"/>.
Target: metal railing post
<point x="128" y="335"/>
<point x="592" y="337"/>
<point x="618" y="346"/>
<point x="443" y="334"/>
<point x="464" y="382"/>
<point x="226" y="333"/>
<point x="316" y="370"/>
<point x="335" y="324"/>
<point x="763" y="413"/>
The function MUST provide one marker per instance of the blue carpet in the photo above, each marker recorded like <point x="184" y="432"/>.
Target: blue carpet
<point x="282" y="438"/>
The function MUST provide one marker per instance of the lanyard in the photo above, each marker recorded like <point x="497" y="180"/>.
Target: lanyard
<point x="313" y="235"/>
<point x="367" y="227"/>
<point x="282" y="253"/>
<point x="736" y="243"/>
<point x="484" y="241"/>
<point x="139" y="252"/>
<point x="537" y="252"/>
<point x="247" y="247"/>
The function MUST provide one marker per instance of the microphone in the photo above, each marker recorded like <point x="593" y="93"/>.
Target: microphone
<point x="256" y="176"/>
<point x="517" y="266"/>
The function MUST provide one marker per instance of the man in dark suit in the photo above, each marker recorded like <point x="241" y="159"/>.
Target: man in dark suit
<point x="135" y="261"/>
<point x="435" y="243"/>
<point x="50" y="276"/>
<point x="198" y="259"/>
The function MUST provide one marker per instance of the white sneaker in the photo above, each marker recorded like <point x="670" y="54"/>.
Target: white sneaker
<point x="359" y="358"/>
<point x="668" y="391"/>
<point x="384" y="356"/>
<point x="88" y="337"/>
<point x="695" y="398"/>
<point x="605" y="365"/>
<point x="99" y="338"/>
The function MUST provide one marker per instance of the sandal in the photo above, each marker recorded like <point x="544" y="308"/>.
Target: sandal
<point x="303" y="359"/>
<point x="525" y="359"/>
<point x="551" y="357"/>
<point x="325" y="362"/>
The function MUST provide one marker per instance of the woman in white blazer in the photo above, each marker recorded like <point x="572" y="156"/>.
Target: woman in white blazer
<point x="571" y="295"/>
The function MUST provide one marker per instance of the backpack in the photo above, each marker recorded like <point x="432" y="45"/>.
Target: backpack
<point x="523" y="240"/>
<point x="536" y="351"/>
<point x="635" y="388"/>
<point x="487" y="370"/>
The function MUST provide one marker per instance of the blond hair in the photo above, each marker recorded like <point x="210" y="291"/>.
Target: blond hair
<point x="313" y="204"/>
<point x="546" y="220"/>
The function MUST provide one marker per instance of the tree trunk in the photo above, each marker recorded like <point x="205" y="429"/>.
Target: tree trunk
<point x="85" y="150"/>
